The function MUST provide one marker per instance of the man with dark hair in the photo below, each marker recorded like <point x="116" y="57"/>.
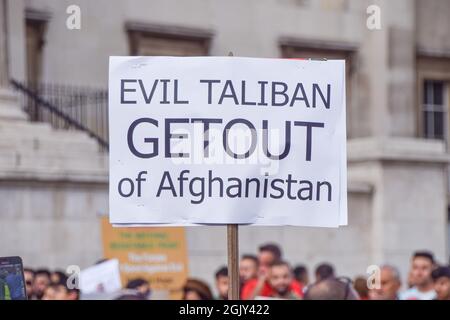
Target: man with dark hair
<point x="195" y="289"/>
<point x="269" y="254"/>
<point x="281" y="281"/>
<point x="441" y="279"/>
<point x="141" y="286"/>
<point x="248" y="268"/>
<point x="40" y="283"/>
<point x="55" y="291"/>
<point x="57" y="276"/>
<point x="360" y="286"/>
<point x="272" y="248"/>
<point x="60" y="279"/>
<point x="58" y="290"/>
<point x="29" y="278"/>
<point x="331" y="289"/>
<point x="301" y="275"/>
<point x="222" y="283"/>
<point x="422" y="264"/>
<point x="324" y="271"/>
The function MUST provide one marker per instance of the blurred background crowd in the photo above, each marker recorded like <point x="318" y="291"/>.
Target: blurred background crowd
<point x="267" y="276"/>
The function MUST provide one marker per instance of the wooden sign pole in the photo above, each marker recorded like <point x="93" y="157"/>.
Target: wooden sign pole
<point x="233" y="261"/>
<point x="233" y="257"/>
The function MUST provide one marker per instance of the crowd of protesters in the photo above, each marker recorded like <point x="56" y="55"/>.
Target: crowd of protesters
<point x="42" y="284"/>
<point x="268" y="276"/>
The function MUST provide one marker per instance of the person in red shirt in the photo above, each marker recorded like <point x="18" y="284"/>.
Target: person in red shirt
<point x="259" y="288"/>
<point x="248" y="269"/>
<point x="281" y="281"/>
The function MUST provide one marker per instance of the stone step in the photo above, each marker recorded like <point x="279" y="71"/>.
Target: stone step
<point x="24" y="127"/>
<point x="37" y="129"/>
<point x="51" y="163"/>
<point x="36" y="150"/>
<point x="50" y="144"/>
<point x="35" y="135"/>
<point x="68" y="163"/>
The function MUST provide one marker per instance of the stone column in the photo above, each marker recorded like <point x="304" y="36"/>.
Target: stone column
<point x="408" y="174"/>
<point x="3" y="45"/>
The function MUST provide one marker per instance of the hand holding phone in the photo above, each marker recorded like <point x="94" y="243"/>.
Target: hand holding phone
<point x="12" y="281"/>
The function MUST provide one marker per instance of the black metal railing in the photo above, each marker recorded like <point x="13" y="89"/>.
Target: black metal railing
<point x="67" y="107"/>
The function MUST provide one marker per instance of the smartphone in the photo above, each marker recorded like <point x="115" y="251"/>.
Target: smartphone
<point x="12" y="280"/>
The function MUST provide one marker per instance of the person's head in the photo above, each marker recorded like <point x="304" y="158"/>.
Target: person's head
<point x="141" y="286"/>
<point x="441" y="279"/>
<point x="331" y="289"/>
<point x="422" y="264"/>
<point x="73" y="294"/>
<point x="248" y="267"/>
<point x="324" y="271"/>
<point x="268" y="254"/>
<point x="280" y="277"/>
<point x="29" y="278"/>
<point x="360" y="286"/>
<point x="56" y="291"/>
<point x="57" y="276"/>
<point x="222" y="282"/>
<point x="41" y="282"/>
<point x="195" y="289"/>
<point x="301" y="274"/>
<point x="390" y="283"/>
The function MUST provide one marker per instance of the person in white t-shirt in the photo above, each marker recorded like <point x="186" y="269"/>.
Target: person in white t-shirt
<point x="422" y="265"/>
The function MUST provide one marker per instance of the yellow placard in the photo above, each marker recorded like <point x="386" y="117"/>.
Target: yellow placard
<point x="158" y="254"/>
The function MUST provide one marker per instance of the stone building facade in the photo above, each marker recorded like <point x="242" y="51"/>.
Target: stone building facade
<point x="398" y="92"/>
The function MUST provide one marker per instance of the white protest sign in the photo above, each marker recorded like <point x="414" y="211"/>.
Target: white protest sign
<point x="101" y="278"/>
<point x="227" y="140"/>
